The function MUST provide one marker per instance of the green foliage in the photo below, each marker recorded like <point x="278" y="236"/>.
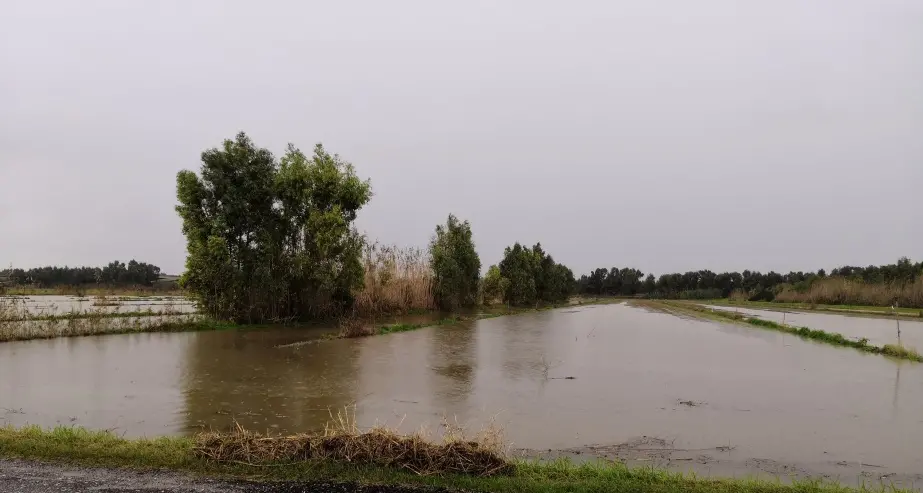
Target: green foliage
<point x="529" y="276"/>
<point x="456" y="265"/>
<point x="494" y="285"/>
<point x="271" y="240"/>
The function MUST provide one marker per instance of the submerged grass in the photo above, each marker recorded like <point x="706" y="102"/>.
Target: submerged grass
<point x="92" y="291"/>
<point x="21" y="331"/>
<point x="352" y="327"/>
<point x="149" y="312"/>
<point x="833" y="338"/>
<point x="243" y="455"/>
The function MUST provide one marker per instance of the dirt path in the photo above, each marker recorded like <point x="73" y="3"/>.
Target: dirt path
<point x="18" y="476"/>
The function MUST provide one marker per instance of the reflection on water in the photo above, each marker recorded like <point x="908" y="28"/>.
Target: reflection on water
<point x="243" y="376"/>
<point x="766" y="394"/>
<point x="127" y="383"/>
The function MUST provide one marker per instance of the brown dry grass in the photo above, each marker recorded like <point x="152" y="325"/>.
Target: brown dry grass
<point x="397" y="280"/>
<point x="354" y="327"/>
<point x="841" y="291"/>
<point x="343" y="441"/>
<point x="739" y="295"/>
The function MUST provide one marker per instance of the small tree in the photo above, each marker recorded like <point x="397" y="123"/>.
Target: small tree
<point x="456" y="265"/>
<point x="519" y="266"/>
<point x="494" y="285"/>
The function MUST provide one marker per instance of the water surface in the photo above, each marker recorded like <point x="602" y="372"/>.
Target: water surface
<point x="879" y="331"/>
<point x="716" y="398"/>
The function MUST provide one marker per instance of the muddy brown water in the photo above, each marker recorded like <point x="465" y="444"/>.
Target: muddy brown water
<point x="879" y="331"/>
<point x="648" y="388"/>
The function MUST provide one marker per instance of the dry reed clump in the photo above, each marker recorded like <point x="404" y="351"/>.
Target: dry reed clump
<point x="354" y="326"/>
<point x="841" y="291"/>
<point x="12" y="309"/>
<point x="102" y="300"/>
<point x="342" y="441"/>
<point x="397" y="280"/>
<point x="739" y="295"/>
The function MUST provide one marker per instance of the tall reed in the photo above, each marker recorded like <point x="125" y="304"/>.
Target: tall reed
<point x="397" y="280"/>
<point x="842" y="291"/>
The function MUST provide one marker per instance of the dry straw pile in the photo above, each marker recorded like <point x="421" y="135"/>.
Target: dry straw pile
<point x="344" y="442"/>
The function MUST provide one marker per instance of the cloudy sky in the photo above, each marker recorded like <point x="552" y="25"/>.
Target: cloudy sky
<point x="667" y="135"/>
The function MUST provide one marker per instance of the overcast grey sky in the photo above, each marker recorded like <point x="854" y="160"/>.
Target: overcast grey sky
<point x="666" y="135"/>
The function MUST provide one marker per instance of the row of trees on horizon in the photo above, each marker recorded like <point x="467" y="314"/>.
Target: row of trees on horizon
<point x="537" y="276"/>
<point x="273" y="240"/>
<point x="756" y="286"/>
<point x="116" y="273"/>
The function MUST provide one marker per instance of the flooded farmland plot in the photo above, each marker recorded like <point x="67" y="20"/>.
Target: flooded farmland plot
<point x="27" y="317"/>
<point x="879" y="331"/>
<point x="608" y="381"/>
<point x="45" y="306"/>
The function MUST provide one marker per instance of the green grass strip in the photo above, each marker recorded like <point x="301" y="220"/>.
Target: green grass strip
<point x="102" y="449"/>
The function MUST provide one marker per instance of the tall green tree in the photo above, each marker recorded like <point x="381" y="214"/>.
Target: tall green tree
<point x="532" y="276"/>
<point x="271" y="240"/>
<point x="519" y="267"/>
<point x="456" y="265"/>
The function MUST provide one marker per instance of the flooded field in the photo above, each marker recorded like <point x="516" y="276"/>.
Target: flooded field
<point x="879" y="331"/>
<point x="598" y="381"/>
<point x="64" y="305"/>
<point x="27" y="317"/>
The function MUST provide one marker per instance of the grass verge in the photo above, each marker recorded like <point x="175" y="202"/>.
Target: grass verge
<point x="102" y="449"/>
<point x="832" y="338"/>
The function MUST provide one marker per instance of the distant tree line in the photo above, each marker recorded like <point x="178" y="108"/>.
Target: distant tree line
<point x="116" y="273"/>
<point x="755" y="286"/>
<point x="274" y="240"/>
